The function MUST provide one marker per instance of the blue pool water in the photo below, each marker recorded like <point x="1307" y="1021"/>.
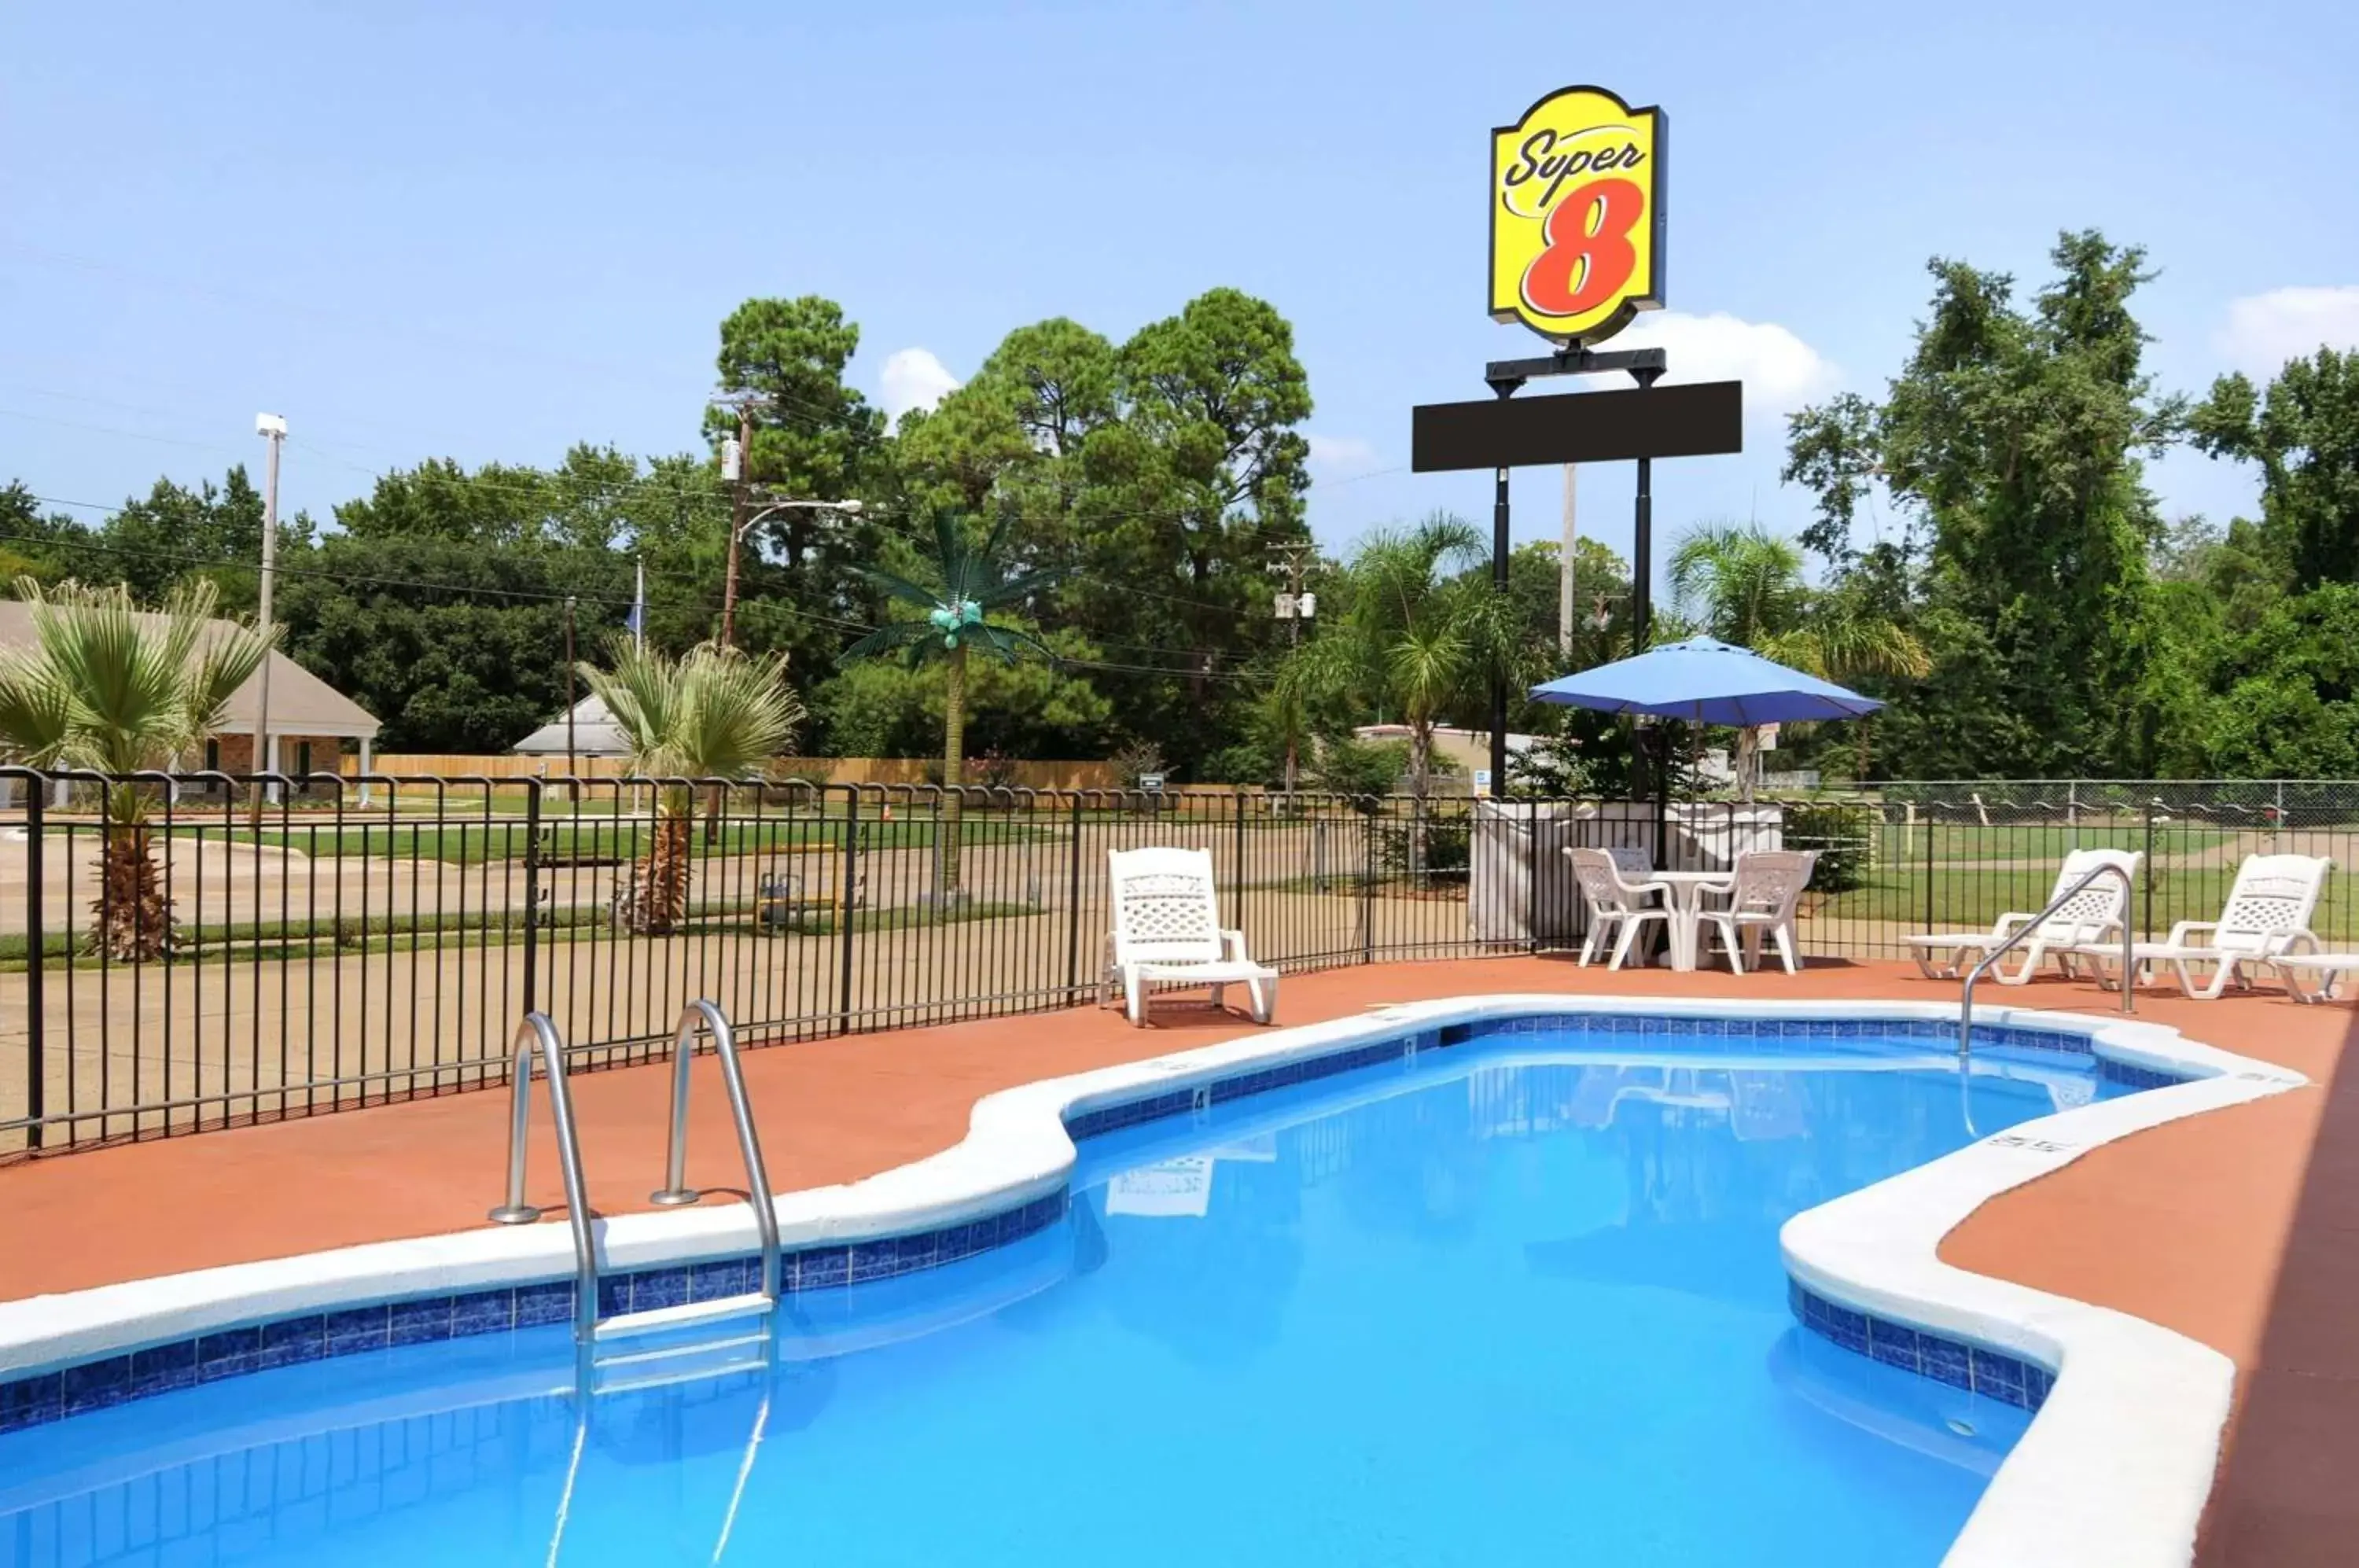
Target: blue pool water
<point x="1455" y="1310"/>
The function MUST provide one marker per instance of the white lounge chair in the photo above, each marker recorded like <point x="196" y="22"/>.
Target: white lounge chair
<point x="2312" y="976"/>
<point x="2267" y="914"/>
<point x="1763" y="897"/>
<point x="1167" y="930"/>
<point x="2093" y="915"/>
<point x="1616" y="901"/>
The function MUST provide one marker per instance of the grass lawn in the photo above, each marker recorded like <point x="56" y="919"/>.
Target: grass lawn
<point x="1959" y="843"/>
<point x="1968" y="896"/>
<point x="242" y="943"/>
<point x="508" y="839"/>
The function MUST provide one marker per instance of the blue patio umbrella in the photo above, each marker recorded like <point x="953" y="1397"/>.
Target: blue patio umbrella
<point x="1706" y="682"/>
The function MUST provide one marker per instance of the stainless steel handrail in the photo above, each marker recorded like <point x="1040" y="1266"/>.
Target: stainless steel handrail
<point x="704" y="1013"/>
<point x="538" y="1031"/>
<point x="2022" y="932"/>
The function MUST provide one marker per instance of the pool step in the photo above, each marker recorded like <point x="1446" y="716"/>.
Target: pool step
<point x="661" y="1320"/>
<point x="674" y="1352"/>
<point x="680" y="1363"/>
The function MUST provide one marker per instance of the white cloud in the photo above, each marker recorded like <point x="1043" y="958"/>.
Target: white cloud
<point x="914" y="378"/>
<point x="2264" y="331"/>
<point x="1340" y="456"/>
<point x="1780" y="372"/>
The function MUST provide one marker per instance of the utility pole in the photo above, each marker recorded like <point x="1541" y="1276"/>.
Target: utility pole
<point x="1294" y="606"/>
<point x="571" y="771"/>
<point x="271" y="428"/>
<point x="1568" y="585"/>
<point x="736" y="472"/>
<point x="737" y="469"/>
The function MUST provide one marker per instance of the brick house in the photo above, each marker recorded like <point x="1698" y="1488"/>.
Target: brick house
<point x="310" y="721"/>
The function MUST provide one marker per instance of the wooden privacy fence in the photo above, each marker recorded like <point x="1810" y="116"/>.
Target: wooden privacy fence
<point x="1027" y="775"/>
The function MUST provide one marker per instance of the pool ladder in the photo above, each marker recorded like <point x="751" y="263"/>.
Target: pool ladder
<point x="608" y="1344"/>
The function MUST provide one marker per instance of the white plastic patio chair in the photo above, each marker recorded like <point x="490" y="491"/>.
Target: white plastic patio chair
<point x="1635" y="862"/>
<point x="2094" y="914"/>
<point x="1767" y="890"/>
<point x="2267" y="914"/>
<point x="1167" y="930"/>
<point x="1615" y="903"/>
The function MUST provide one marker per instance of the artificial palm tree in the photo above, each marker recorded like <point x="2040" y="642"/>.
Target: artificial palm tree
<point x="107" y="689"/>
<point x="1746" y="585"/>
<point x="714" y="713"/>
<point x="967" y="582"/>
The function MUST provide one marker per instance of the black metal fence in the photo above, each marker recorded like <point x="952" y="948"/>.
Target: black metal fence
<point x="175" y="956"/>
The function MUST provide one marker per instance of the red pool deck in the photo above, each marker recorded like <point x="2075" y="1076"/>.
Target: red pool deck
<point x="2239" y="1228"/>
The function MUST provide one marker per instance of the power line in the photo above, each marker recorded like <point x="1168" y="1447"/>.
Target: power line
<point x="98" y="547"/>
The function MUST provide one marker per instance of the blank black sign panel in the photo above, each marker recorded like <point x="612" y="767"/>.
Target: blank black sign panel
<point x="1698" y="420"/>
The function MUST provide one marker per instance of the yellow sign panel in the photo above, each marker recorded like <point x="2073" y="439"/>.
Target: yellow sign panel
<point x="1577" y="215"/>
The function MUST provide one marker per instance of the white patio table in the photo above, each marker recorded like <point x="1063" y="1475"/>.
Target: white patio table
<point x="1685" y="895"/>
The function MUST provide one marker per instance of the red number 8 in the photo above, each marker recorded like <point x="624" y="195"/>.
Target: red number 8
<point x="1586" y="263"/>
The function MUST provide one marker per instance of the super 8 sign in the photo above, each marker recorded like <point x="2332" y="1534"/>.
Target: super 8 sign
<point x="1577" y="215"/>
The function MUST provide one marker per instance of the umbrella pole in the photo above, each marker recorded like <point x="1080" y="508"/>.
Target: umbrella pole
<point x="1663" y="797"/>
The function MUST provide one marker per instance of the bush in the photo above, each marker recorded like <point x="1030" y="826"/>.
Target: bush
<point x="1362" y="768"/>
<point x="1448" y="845"/>
<point x="1843" y="832"/>
<point x="1554" y="766"/>
<point x="1135" y="758"/>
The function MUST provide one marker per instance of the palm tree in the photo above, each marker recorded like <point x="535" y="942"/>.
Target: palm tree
<point x="968" y="582"/>
<point x="1746" y="586"/>
<point x="1423" y="629"/>
<point x="713" y="713"/>
<point x="109" y="689"/>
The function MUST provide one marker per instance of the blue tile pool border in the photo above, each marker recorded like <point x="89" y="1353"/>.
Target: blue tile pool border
<point x="1960" y="1364"/>
<point x="381" y="1325"/>
<point x="349" y="1331"/>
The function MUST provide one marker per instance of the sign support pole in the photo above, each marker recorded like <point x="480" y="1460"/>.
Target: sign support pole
<point x="1642" y="625"/>
<point x="1505" y="387"/>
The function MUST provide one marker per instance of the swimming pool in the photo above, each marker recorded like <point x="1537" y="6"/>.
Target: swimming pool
<point x="1495" y="1293"/>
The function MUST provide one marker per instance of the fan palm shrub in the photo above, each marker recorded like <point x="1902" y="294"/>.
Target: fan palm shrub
<point x="714" y="713"/>
<point x="108" y="688"/>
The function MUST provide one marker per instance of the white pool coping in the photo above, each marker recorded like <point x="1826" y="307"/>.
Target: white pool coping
<point x="2115" y="1469"/>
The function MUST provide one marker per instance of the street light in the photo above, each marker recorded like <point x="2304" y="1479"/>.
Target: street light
<point x="736" y="538"/>
<point x="853" y="508"/>
<point x="271" y="428"/>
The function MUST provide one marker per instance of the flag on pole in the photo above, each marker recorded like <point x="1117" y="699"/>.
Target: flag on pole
<point x="638" y="622"/>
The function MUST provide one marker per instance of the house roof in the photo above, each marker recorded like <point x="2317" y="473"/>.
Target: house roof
<point x="300" y="703"/>
<point x="594" y="733"/>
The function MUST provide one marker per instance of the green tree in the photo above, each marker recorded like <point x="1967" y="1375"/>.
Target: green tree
<point x="2303" y="434"/>
<point x="714" y="713"/>
<point x="1030" y="708"/>
<point x="1744" y="585"/>
<point x="2289" y="692"/>
<point x="106" y="689"/>
<point x="1157" y="473"/>
<point x="439" y="604"/>
<point x="815" y="437"/>
<point x="966" y="583"/>
<point x="2011" y="441"/>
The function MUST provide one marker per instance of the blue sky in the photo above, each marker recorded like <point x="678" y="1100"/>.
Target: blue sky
<point x="487" y="231"/>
